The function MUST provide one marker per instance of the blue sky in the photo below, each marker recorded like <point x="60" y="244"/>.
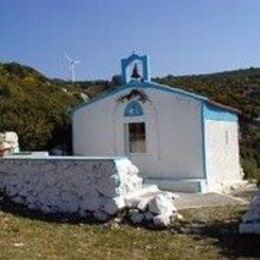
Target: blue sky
<point x="181" y="36"/>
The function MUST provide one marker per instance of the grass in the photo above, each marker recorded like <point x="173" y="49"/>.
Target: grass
<point x="208" y="233"/>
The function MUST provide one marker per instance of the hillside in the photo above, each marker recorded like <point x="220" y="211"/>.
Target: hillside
<point x="33" y="106"/>
<point x="37" y="107"/>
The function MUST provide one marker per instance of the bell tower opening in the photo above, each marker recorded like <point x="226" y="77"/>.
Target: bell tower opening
<point x="135" y="67"/>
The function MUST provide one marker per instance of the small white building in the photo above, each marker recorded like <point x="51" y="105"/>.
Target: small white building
<point x="179" y="140"/>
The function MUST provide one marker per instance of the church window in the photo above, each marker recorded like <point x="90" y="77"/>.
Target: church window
<point x="137" y="137"/>
<point x="133" y="109"/>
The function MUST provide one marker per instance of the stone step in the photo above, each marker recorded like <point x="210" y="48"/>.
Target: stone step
<point x="180" y="185"/>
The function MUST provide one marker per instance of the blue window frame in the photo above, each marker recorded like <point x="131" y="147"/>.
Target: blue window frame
<point x="133" y="109"/>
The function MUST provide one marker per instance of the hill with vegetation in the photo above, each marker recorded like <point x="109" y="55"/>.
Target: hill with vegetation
<point x="33" y="106"/>
<point x="38" y="108"/>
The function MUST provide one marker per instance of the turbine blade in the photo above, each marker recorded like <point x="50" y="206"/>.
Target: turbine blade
<point x="68" y="58"/>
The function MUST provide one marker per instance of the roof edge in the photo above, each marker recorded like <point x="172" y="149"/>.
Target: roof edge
<point x="153" y="85"/>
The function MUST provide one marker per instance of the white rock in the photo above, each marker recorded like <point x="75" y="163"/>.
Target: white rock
<point x="11" y="137"/>
<point x="136" y="196"/>
<point x="2" y="137"/>
<point x="161" y="204"/>
<point x="162" y="220"/>
<point x="179" y="216"/>
<point x="143" y="204"/>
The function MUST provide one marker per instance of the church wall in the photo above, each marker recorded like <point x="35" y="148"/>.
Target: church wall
<point x="222" y="154"/>
<point x="92" y="129"/>
<point x="174" y="133"/>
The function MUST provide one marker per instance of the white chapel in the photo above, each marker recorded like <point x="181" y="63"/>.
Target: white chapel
<point x="179" y="140"/>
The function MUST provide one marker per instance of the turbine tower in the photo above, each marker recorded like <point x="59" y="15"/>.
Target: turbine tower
<point x="72" y="64"/>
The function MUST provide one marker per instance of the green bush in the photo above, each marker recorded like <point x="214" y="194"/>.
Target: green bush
<point x="250" y="169"/>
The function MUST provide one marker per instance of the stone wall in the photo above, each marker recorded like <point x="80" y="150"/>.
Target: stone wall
<point x="88" y="187"/>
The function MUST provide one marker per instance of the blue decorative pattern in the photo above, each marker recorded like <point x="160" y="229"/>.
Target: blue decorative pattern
<point x="133" y="109"/>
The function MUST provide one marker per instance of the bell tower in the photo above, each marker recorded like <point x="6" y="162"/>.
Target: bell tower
<point x="135" y="75"/>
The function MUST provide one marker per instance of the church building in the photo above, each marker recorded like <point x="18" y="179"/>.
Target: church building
<point x="179" y="140"/>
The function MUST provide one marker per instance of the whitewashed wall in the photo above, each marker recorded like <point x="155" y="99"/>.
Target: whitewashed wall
<point x="222" y="154"/>
<point x="173" y="125"/>
<point x="72" y="185"/>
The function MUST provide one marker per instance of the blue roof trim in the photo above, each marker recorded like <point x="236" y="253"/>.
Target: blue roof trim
<point x="212" y="112"/>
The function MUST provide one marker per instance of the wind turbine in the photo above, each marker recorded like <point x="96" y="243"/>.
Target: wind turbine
<point x="72" y="64"/>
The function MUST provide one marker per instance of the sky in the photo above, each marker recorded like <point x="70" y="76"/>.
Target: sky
<point x="180" y="36"/>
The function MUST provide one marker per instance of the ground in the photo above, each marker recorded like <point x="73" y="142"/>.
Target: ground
<point x="204" y="233"/>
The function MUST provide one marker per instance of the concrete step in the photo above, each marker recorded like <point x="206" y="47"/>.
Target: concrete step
<point x="180" y="185"/>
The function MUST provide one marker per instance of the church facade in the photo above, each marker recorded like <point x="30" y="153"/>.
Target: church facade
<point x="179" y="140"/>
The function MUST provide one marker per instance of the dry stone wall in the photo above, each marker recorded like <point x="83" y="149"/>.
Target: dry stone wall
<point x="96" y="187"/>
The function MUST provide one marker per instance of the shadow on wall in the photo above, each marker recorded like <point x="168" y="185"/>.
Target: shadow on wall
<point x="8" y="206"/>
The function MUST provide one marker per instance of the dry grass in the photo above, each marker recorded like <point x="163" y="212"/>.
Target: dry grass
<point x="26" y="236"/>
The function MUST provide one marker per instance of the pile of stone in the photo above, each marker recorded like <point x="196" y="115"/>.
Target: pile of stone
<point x="251" y="219"/>
<point x="102" y="189"/>
<point x="153" y="207"/>
<point x="8" y="143"/>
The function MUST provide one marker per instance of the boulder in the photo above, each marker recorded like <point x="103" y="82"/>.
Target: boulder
<point x="162" y="204"/>
<point x="137" y="217"/>
<point x="162" y="220"/>
<point x="8" y="143"/>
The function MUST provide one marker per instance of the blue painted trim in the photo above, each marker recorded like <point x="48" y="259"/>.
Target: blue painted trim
<point x="204" y="142"/>
<point x="212" y="112"/>
<point x="126" y="62"/>
<point x="133" y="108"/>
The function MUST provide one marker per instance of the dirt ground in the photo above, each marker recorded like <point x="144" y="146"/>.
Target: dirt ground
<point x="240" y="196"/>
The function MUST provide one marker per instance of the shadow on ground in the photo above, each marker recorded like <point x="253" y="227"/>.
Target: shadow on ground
<point x="225" y="236"/>
<point x="223" y="232"/>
